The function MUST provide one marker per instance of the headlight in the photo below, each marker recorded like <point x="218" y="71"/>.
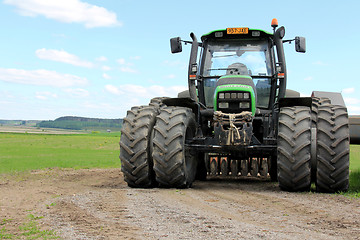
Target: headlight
<point x="246" y="95"/>
<point x="244" y="105"/>
<point x="223" y="105"/>
<point x="221" y="95"/>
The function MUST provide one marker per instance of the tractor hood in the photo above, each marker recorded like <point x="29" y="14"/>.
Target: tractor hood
<point x="235" y="94"/>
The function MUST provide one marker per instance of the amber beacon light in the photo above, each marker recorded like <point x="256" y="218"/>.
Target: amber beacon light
<point x="274" y="23"/>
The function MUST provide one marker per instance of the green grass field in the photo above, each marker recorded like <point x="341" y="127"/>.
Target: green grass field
<point x="21" y="152"/>
<point x="354" y="189"/>
<point x="355" y="157"/>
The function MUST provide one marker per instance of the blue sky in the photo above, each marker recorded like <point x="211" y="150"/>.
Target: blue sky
<point x="95" y="58"/>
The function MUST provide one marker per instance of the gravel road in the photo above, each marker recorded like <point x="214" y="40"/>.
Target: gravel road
<point x="97" y="204"/>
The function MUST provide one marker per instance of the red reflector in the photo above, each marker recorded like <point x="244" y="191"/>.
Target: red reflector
<point x="281" y="75"/>
<point x="192" y="76"/>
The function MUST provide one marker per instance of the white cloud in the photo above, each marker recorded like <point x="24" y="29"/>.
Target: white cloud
<point x="136" y="91"/>
<point x="351" y="101"/>
<point x="68" y="11"/>
<point x="121" y="61"/>
<point x="106" y="76"/>
<point x="62" y="56"/>
<point x="352" y="105"/>
<point x="40" y="77"/>
<point x="41" y="97"/>
<point x="308" y="78"/>
<point x="77" y="92"/>
<point x="348" y="90"/>
<point x="4" y="94"/>
<point x="353" y="110"/>
<point x="108" y="109"/>
<point x="125" y="66"/>
<point x="112" y="89"/>
<point x="106" y="68"/>
<point x="128" y="70"/>
<point x="45" y="95"/>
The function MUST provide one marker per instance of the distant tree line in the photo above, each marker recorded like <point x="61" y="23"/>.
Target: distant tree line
<point x="18" y="122"/>
<point x="81" y="123"/>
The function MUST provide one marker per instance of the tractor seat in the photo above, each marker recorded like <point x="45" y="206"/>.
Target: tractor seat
<point x="237" y="69"/>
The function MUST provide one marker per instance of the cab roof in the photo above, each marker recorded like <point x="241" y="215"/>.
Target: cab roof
<point x="236" y="33"/>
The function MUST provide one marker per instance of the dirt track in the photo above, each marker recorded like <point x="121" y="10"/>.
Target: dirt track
<point x="97" y="204"/>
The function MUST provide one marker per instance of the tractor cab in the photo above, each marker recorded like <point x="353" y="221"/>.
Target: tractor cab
<point x="238" y="62"/>
<point x="237" y="68"/>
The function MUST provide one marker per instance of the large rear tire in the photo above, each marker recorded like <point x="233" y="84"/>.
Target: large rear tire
<point x="157" y="102"/>
<point x="135" y="147"/>
<point x="316" y="102"/>
<point x="293" y="161"/>
<point x="332" y="149"/>
<point x="174" y="166"/>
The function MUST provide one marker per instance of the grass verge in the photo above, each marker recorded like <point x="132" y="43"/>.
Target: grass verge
<point x="354" y="177"/>
<point x="28" y="230"/>
<point x="354" y="185"/>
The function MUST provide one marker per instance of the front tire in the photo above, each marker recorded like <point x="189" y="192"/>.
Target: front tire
<point x="174" y="166"/>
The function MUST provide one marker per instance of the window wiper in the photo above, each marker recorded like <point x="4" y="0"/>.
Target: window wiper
<point x="232" y="55"/>
<point x="211" y="69"/>
<point x="215" y="76"/>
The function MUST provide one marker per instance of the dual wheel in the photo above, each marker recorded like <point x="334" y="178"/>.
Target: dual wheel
<point x="313" y="145"/>
<point x="152" y="147"/>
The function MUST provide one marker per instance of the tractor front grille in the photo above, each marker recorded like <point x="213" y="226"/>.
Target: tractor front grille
<point x="234" y="102"/>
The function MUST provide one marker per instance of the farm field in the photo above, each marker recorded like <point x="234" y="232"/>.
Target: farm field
<point x="20" y="152"/>
<point x="61" y="186"/>
<point x="355" y="157"/>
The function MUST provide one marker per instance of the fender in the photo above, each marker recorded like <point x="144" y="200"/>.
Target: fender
<point x="183" y="102"/>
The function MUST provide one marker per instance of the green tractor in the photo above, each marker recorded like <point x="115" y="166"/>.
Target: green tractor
<point x="237" y="119"/>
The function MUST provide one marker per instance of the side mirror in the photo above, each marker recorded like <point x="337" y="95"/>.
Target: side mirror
<point x="175" y="44"/>
<point x="300" y="44"/>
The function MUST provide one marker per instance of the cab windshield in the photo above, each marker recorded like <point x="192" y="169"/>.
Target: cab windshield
<point x="238" y="57"/>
